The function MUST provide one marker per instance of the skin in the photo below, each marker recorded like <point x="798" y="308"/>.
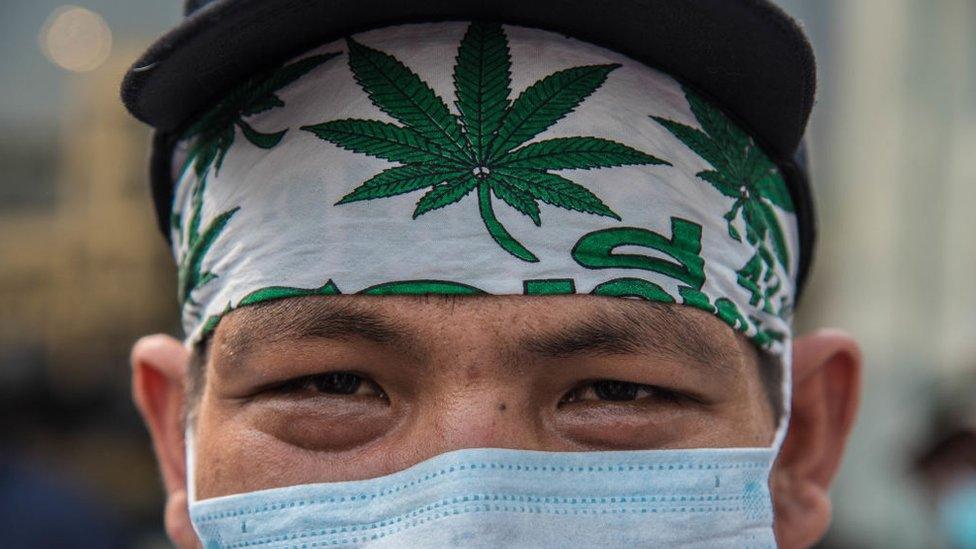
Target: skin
<point x="437" y="375"/>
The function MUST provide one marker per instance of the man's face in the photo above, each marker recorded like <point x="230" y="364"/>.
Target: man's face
<point x="343" y="388"/>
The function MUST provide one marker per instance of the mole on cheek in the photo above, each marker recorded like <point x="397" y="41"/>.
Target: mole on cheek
<point x="501" y="406"/>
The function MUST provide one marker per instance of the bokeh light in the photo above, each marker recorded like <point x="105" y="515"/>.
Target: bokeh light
<point x="75" y="39"/>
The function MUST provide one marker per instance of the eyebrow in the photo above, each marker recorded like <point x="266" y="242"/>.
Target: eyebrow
<point x="631" y="328"/>
<point x="316" y="319"/>
<point x="621" y="328"/>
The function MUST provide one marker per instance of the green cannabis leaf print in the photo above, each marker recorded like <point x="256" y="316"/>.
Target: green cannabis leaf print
<point x="214" y="131"/>
<point x="742" y="172"/>
<point x="190" y="275"/>
<point x="213" y="135"/>
<point x="482" y="149"/>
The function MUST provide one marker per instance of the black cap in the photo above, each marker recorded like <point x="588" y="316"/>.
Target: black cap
<point x="747" y="56"/>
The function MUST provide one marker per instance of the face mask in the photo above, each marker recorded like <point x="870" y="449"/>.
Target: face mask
<point x="957" y="515"/>
<point x="505" y="498"/>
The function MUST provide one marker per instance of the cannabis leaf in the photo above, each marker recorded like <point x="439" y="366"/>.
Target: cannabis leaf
<point x="214" y="131"/>
<point x="741" y="171"/>
<point x="190" y="275"/>
<point x="483" y="147"/>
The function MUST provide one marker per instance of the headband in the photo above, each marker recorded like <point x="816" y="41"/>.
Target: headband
<point x="475" y="158"/>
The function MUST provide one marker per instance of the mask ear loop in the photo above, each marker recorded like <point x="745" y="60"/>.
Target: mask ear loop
<point x="786" y="363"/>
<point x="191" y="477"/>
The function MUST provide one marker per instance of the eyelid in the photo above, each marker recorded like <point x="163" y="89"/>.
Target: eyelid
<point x="303" y="383"/>
<point x="659" y="393"/>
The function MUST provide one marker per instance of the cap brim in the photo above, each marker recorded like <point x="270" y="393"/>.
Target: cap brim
<point x="748" y="56"/>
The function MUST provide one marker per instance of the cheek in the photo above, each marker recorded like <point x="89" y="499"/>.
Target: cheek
<point x="638" y="426"/>
<point x="747" y="423"/>
<point x="336" y="425"/>
<point x="759" y="419"/>
<point x="597" y="427"/>
<point x="242" y="449"/>
<point x="232" y="458"/>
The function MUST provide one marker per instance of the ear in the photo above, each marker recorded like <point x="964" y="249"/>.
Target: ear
<point x="826" y="389"/>
<point x="159" y="366"/>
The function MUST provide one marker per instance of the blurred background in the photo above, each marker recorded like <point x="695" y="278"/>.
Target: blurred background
<point x="83" y="271"/>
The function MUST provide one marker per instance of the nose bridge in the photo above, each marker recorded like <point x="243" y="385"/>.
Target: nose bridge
<point x="488" y="418"/>
<point x="481" y="403"/>
<point x="484" y="423"/>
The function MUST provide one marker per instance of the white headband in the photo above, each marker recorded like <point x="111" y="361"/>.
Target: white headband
<point x="474" y="158"/>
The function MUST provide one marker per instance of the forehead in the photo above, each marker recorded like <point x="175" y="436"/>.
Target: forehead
<point x="540" y="322"/>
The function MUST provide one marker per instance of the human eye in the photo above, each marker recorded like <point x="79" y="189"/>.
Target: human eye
<point x="609" y="390"/>
<point x="323" y="411"/>
<point x="332" y="384"/>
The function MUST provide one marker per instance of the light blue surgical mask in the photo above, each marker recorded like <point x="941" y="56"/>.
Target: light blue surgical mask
<point x="957" y="514"/>
<point x="515" y="498"/>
